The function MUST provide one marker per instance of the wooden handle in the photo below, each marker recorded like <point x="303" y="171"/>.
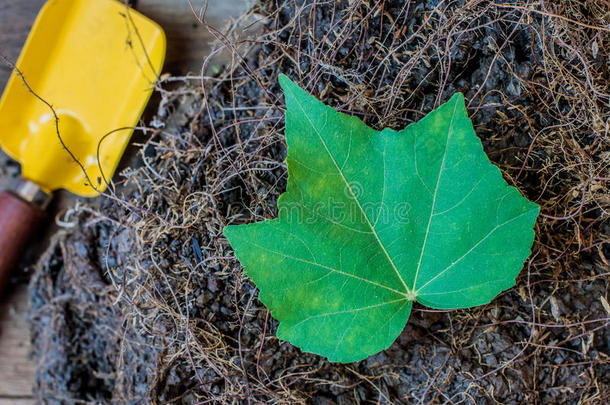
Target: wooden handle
<point x="18" y="221"/>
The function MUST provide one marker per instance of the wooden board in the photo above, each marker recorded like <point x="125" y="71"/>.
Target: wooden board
<point x="188" y="44"/>
<point x="17" y="401"/>
<point x="16" y="368"/>
<point x="188" y="41"/>
<point x="16" y="18"/>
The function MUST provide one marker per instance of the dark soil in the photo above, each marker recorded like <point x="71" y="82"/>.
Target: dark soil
<point x="142" y="299"/>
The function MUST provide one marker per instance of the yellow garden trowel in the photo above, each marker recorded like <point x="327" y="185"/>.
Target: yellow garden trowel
<point x="81" y="83"/>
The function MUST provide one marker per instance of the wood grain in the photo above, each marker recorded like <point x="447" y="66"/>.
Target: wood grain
<point x="189" y="42"/>
<point x="16" y="369"/>
<point x="17" y="401"/>
<point x="16" y="18"/>
<point x="188" y="45"/>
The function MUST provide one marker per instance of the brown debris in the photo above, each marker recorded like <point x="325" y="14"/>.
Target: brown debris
<point x="145" y="297"/>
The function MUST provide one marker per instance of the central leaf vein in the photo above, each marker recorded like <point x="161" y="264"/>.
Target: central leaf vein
<point x="355" y="198"/>
<point x="438" y="182"/>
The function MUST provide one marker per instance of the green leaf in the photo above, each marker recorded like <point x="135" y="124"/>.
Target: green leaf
<point x="372" y="221"/>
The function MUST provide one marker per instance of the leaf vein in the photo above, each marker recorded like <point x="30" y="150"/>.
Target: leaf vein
<point x="332" y="221"/>
<point x="495" y="228"/>
<point x="465" y="288"/>
<point x="463" y="199"/>
<point x="353" y="194"/>
<point x="382" y="204"/>
<point x="438" y="182"/>
<point x="417" y="166"/>
<point x="347" y="311"/>
<point x="298" y="259"/>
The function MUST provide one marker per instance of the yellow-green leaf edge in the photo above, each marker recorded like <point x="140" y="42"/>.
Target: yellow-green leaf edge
<point x="454" y="234"/>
